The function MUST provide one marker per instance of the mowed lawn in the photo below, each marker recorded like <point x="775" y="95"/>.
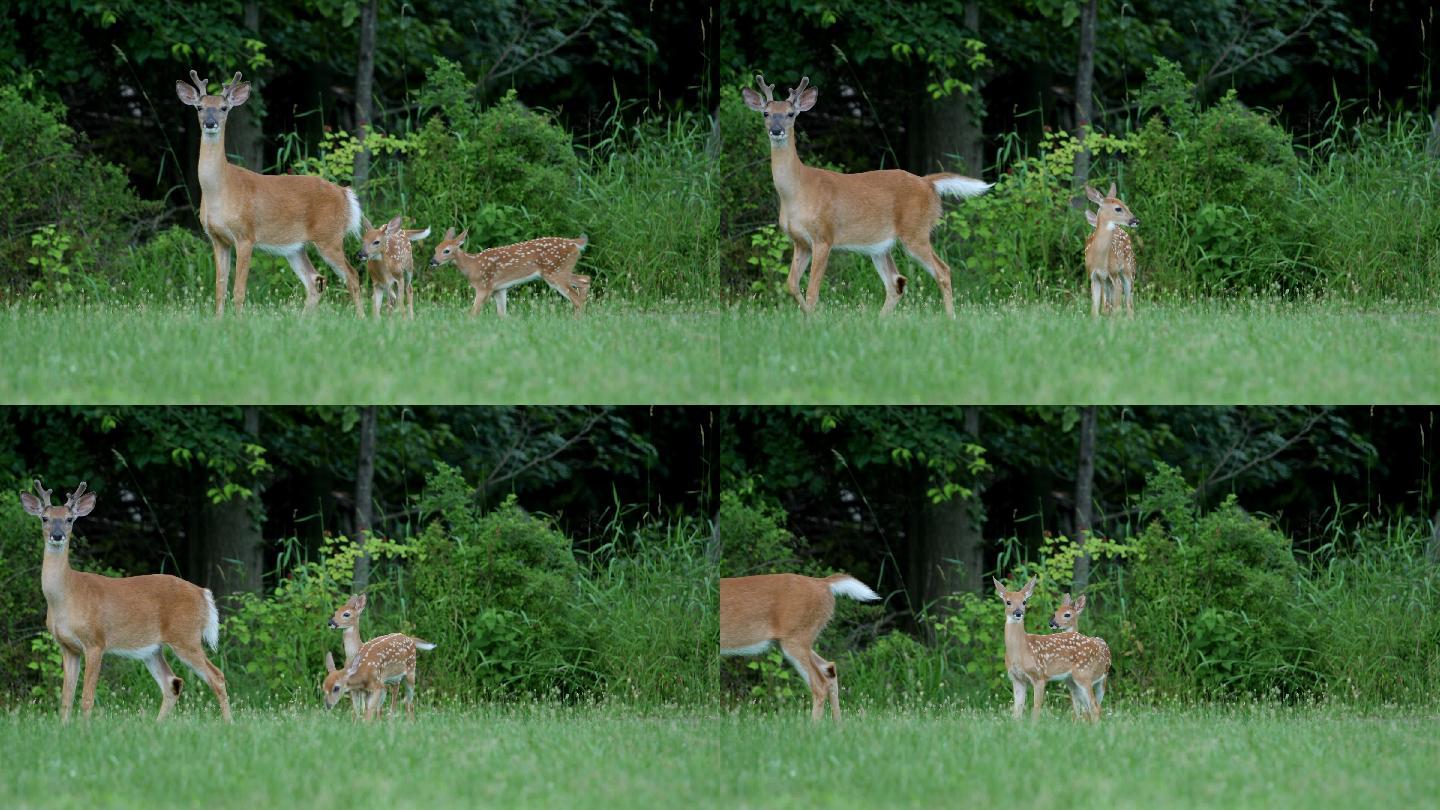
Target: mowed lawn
<point x="520" y="757"/>
<point x="1182" y="353"/>
<point x="1136" y="757"/>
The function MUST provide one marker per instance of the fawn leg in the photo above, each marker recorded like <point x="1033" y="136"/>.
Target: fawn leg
<point x="500" y="303"/>
<point x="1038" y="685"/>
<point x="1095" y="295"/>
<point x="1018" y="707"/>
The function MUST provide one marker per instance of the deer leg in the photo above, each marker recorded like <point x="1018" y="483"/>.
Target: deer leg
<point x="410" y="694"/>
<point x="309" y="279"/>
<point x="1099" y="689"/>
<point x="818" y="263"/>
<point x="70" y="663"/>
<point x="802" y="657"/>
<point x="92" y="678"/>
<point x="1129" y="281"/>
<point x="832" y="683"/>
<point x="194" y="657"/>
<point x="500" y="303"/>
<point x="798" y="263"/>
<point x="377" y="296"/>
<point x="334" y="255"/>
<point x="222" y="275"/>
<point x="1038" y="684"/>
<point x="410" y="294"/>
<point x="243" y="250"/>
<point x="1095" y="294"/>
<point x="922" y="252"/>
<point x="891" y="278"/>
<point x="170" y="685"/>
<point x="372" y="710"/>
<point x="1018" y="707"/>
<point x="561" y="284"/>
<point x="582" y="292"/>
<point x="480" y="296"/>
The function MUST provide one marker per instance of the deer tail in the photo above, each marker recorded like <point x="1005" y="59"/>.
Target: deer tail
<point x="846" y="585"/>
<point x="957" y="185"/>
<point x="211" y="633"/>
<point x="352" y="223"/>
<point x="422" y="644"/>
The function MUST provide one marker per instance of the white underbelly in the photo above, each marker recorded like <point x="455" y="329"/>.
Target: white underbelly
<point x="753" y="649"/>
<point x="511" y="283"/>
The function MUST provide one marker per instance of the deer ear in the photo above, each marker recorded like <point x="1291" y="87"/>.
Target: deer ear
<point x="1065" y="600"/>
<point x="329" y="662"/>
<point x="1080" y="603"/>
<point x="999" y="588"/>
<point x="31" y="505"/>
<point x="1093" y="195"/>
<point x="752" y="99"/>
<point x="359" y="602"/>
<point x="463" y="234"/>
<point x="1111" y="192"/>
<point x="187" y="93"/>
<point x="393" y="225"/>
<point x="238" y="93"/>
<point x="807" y="99"/>
<point x="1092" y="219"/>
<point x="1029" y="587"/>
<point x="449" y="234"/>
<point x="85" y="505"/>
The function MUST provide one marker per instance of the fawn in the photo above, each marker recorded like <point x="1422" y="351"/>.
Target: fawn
<point x="867" y="213"/>
<point x="1066" y="619"/>
<point x="790" y="609"/>
<point x="91" y="615"/>
<point x="1109" y="254"/>
<point x="1034" y="661"/>
<point x="551" y="259"/>
<point x="347" y="619"/>
<point x="387" y="254"/>
<point x="380" y="661"/>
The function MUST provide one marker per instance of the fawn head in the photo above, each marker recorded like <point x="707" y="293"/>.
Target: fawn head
<point x="212" y="110"/>
<point x="448" y="247"/>
<point x="780" y="115"/>
<point x="1067" y="616"/>
<point x="336" y="682"/>
<point x="374" y="240"/>
<point x="1015" y="601"/>
<point x="1112" y="211"/>
<point x="58" y="521"/>
<point x="349" y="613"/>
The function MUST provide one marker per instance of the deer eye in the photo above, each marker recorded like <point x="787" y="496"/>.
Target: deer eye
<point x="790" y="114"/>
<point x="1007" y="601"/>
<point x="346" y="615"/>
<point x="224" y="108"/>
<point x="1067" y="615"/>
<point x="1117" y="209"/>
<point x="447" y="250"/>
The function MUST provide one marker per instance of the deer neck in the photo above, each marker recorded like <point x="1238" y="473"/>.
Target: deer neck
<point x="1017" y="642"/>
<point x="351" y="640"/>
<point x="54" y="573"/>
<point x="213" y="163"/>
<point x="785" y="167"/>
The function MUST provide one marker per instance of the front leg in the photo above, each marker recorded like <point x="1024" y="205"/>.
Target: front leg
<point x="798" y="262"/>
<point x="480" y="295"/>
<point x="817" y="274"/>
<point x="222" y="274"/>
<point x="70" y="663"/>
<point x="1018" y="708"/>
<point x="500" y="303"/>
<point x="1038" y="684"/>
<point x="242" y="271"/>
<point x="92" y="678"/>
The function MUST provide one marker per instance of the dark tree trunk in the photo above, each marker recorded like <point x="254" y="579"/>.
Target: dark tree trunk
<point x="235" y="548"/>
<point x="1085" y="89"/>
<point x="364" y="91"/>
<point x="245" y="136"/>
<point x="947" y="540"/>
<point x="1084" y="495"/>
<point x="948" y="137"/>
<point x="364" y="494"/>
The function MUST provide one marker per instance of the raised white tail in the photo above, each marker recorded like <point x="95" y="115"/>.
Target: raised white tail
<point x="956" y="185"/>
<point x="212" y="621"/>
<point x="853" y="588"/>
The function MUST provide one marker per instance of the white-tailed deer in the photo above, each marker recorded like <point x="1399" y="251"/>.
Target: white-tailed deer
<point x="1109" y="255"/>
<point x="789" y="610"/>
<point x="866" y="213"/>
<point x="493" y="271"/>
<point x="387" y="253"/>
<point x="347" y="620"/>
<point x="242" y="211"/>
<point x="380" y="661"/>
<point x="90" y="615"/>
<point x="1033" y="661"/>
<point x="1066" y="619"/>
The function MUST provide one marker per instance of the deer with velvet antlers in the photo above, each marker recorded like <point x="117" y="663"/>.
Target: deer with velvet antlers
<point x="91" y="615"/>
<point x="242" y="211"/>
<point x="1080" y="662"/>
<point x="865" y="213"/>
<point x="789" y="610"/>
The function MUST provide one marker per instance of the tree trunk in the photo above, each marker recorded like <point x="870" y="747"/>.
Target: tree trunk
<point x="235" y="549"/>
<point x="947" y="541"/>
<point x="364" y="494"/>
<point x="364" y="91"/>
<point x="1084" y="495"/>
<point x="1085" y="90"/>
<point x="953" y="136"/>
<point x="246" y="134"/>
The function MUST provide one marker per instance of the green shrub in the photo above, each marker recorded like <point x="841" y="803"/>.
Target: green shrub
<point x="50" y="182"/>
<point x="174" y="265"/>
<point x="753" y="538"/>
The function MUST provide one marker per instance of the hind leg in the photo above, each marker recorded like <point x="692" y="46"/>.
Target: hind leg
<point x="561" y="283"/>
<point x="891" y="278"/>
<point x="194" y="657"/>
<point x="170" y="685"/>
<point x="300" y="264"/>
<point x="500" y="303"/>
<point x="922" y="252"/>
<point x="802" y="657"/>
<point x="832" y="682"/>
<point x="334" y="255"/>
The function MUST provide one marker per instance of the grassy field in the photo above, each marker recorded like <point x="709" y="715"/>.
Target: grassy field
<point x="1303" y="758"/>
<point x="489" y="757"/>
<point x="1198" y="353"/>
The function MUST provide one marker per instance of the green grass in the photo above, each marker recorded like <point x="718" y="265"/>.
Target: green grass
<point x="533" y="756"/>
<point x="1136" y="757"/>
<point x="1229" y="353"/>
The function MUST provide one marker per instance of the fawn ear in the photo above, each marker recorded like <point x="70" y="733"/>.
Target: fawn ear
<point x="329" y="662"/>
<point x="187" y="93"/>
<point x="32" y="505"/>
<point x="1093" y="195"/>
<point x="807" y="99"/>
<point x="1092" y="219"/>
<point x="1111" y="192"/>
<point x="357" y="602"/>
<point x="463" y="234"/>
<point x="393" y="225"/>
<point x="999" y="588"/>
<point x="1080" y="603"/>
<point x="752" y="99"/>
<point x="449" y="234"/>
<point x="1066" y="600"/>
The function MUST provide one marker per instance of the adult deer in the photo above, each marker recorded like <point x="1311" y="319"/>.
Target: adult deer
<point x="865" y="213"/>
<point x="1033" y="661"/>
<point x="242" y="211"/>
<point x="491" y="272"/>
<point x="387" y="253"/>
<point x="791" y="610"/>
<point x="380" y="661"/>
<point x="90" y="615"/>
<point x="1109" y="255"/>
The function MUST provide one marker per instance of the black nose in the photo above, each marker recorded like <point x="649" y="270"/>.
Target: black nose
<point x="333" y="624"/>
<point x="360" y="257"/>
<point x="776" y="132"/>
<point x="434" y="263"/>
<point x="1019" y="613"/>
<point x="1053" y="625"/>
<point x="57" y="536"/>
<point x="1134" y="223"/>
